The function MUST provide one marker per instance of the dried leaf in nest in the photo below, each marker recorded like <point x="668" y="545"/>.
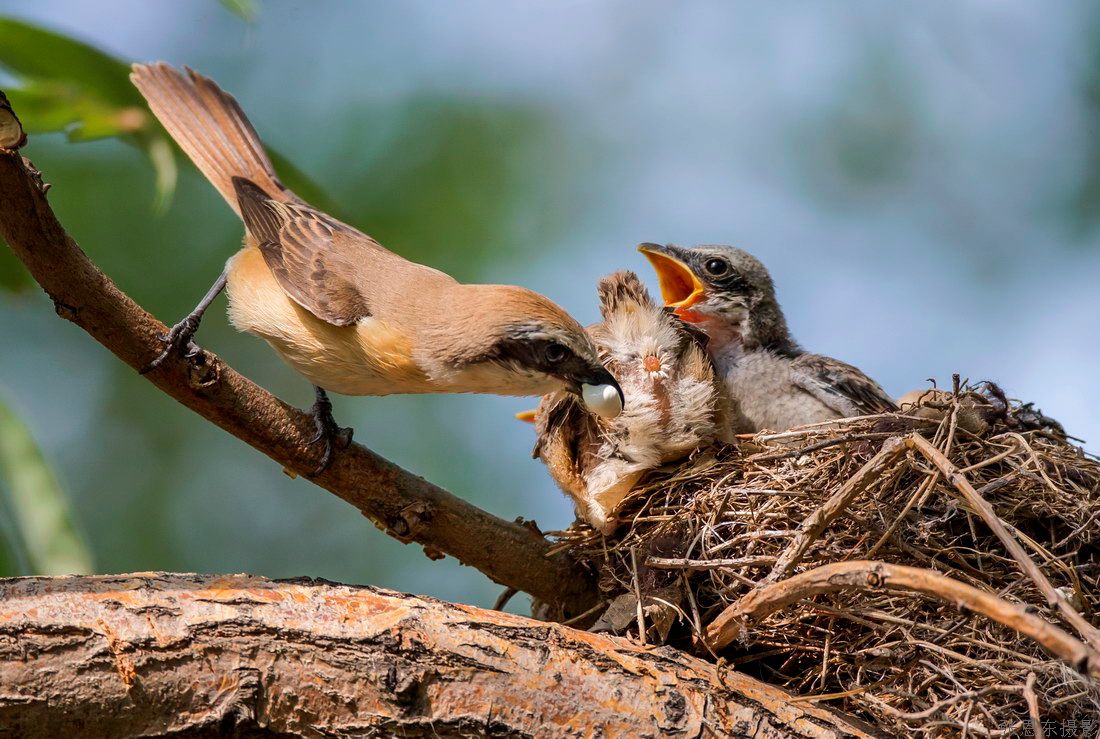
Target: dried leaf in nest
<point x="1024" y="540"/>
<point x="660" y="610"/>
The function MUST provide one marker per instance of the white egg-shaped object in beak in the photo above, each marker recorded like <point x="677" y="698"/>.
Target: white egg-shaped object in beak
<point x="603" y="400"/>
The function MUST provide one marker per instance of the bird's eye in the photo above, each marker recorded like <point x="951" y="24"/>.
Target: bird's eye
<point x="717" y="267"/>
<point x="555" y="352"/>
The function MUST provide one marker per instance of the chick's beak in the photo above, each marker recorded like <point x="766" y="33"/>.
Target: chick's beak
<point x="680" y="288"/>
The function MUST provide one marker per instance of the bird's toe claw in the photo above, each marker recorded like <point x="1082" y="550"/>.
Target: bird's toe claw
<point x="328" y="433"/>
<point x="179" y="341"/>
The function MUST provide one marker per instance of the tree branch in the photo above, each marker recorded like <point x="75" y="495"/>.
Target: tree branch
<point x="403" y="505"/>
<point x="239" y="655"/>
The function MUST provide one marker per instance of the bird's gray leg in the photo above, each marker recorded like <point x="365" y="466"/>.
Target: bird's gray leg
<point x="327" y="429"/>
<point x="179" y="339"/>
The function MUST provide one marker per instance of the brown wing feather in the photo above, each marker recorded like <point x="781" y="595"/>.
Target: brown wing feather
<point x="297" y="244"/>
<point x="840" y="386"/>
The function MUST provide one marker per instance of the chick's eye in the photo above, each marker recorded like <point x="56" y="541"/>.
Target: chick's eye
<point x="555" y="352"/>
<point x="716" y="267"/>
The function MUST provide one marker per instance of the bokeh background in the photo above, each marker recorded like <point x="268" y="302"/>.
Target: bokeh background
<point x="923" y="180"/>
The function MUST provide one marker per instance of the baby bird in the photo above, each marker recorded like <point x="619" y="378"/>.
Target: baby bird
<point x="729" y="295"/>
<point x="674" y="404"/>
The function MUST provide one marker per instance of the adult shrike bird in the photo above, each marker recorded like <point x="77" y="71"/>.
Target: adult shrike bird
<point x="346" y="313"/>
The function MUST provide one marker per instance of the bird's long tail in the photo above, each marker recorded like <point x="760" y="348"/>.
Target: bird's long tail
<point x="210" y="127"/>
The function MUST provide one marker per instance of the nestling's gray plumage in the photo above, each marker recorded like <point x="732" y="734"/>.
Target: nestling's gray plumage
<point x="675" y="404"/>
<point x="727" y="293"/>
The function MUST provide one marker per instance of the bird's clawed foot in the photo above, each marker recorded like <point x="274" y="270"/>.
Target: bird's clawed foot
<point x="328" y="432"/>
<point x="178" y="341"/>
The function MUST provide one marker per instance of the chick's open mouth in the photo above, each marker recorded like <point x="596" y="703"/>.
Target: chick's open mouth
<point x="680" y="288"/>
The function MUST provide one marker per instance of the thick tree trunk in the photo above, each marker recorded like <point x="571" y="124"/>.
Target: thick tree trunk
<point x="195" y="654"/>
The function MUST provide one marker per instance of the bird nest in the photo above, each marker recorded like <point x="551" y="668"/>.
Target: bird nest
<point x="935" y="571"/>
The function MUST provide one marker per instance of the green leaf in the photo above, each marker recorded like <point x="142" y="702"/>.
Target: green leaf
<point x="67" y="85"/>
<point x="36" y="53"/>
<point x="159" y="151"/>
<point x="244" y="9"/>
<point x="49" y="106"/>
<point x="39" y="508"/>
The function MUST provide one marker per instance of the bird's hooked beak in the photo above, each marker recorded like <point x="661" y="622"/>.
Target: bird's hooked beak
<point x="601" y="393"/>
<point x="680" y="288"/>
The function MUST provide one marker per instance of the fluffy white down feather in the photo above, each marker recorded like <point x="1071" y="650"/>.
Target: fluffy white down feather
<point x="674" y="406"/>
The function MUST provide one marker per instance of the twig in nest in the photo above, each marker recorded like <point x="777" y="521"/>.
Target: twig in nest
<point x="813" y="525"/>
<point x="915" y="500"/>
<point x="503" y="598"/>
<point x="939" y="706"/>
<point x="638" y="597"/>
<point x="981" y="506"/>
<point x="580" y="618"/>
<point x="873" y="576"/>
<point x="680" y="563"/>
<point x="1033" y="705"/>
<point x="824" y="444"/>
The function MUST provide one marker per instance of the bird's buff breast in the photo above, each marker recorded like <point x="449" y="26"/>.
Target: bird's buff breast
<point x="368" y="358"/>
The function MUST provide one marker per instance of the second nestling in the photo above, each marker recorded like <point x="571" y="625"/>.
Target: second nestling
<point x="675" y="404"/>
<point x="729" y="295"/>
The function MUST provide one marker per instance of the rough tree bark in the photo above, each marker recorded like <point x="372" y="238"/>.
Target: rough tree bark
<point x="159" y="653"/>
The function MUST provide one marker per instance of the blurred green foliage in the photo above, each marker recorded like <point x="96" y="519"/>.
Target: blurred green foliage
<point x="246" y="10"/>
<point x="458" y="160"/>
<point x="1082" y="206"/>
<point x="65" y="85"/>
<point x="866" y="140"/>
<point x="460" y="183"/>
<point x="13" y="277"/>
<point x="40" y="536"/>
